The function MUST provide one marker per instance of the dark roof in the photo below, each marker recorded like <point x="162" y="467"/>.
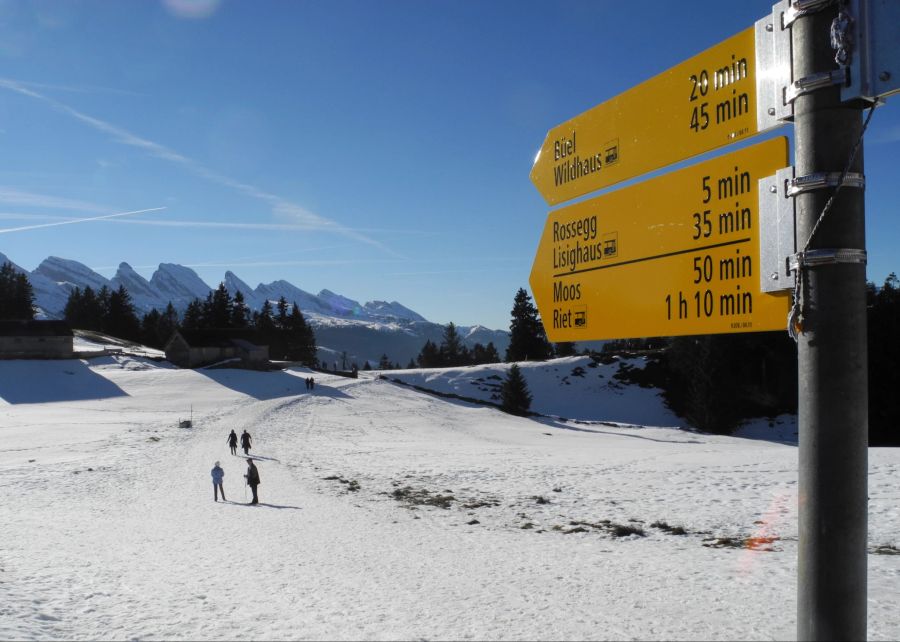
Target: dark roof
<point x="23" y="328"/>
<point x="218" y="338"/>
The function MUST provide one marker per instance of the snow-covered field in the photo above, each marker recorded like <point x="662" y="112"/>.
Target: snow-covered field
<point x="388" y="513"/>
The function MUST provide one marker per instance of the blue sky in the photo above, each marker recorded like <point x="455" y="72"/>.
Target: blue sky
<point x="379" y="149"/>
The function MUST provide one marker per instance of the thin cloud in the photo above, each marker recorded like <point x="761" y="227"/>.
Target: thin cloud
<point x="13" y="196"/>
<point x="77" y="89"/>
<point x="299" y="262"/>
<point x="280" y="207"/>
<point x="437" y="272"/>
<point x="22" y="216"/>
<point x="79" y="220"/>
<point x="284" y="227"/>
<point x="300" y="227"/>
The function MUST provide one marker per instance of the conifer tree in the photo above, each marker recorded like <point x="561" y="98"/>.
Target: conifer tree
<point x="16" y="294"/>
<point x="429" y="356"/>
<point x="301" y="340"/>
<point x="83" y="309"/>
<point x="73" y="308"/>
<point x="884" y="355"/>
<point x="220" y="310"/>
<point x="121" y="320"/>
<point x="240" y="313"/>
<point x="193" y="316"/>
<point x="451" y="349"/>
<point x="103" y="306"/>
<point x="565" y="349"/>
<point x="265" y="325"/>
<point x="168" y="323"/>
<point x="150" y="329"/>
<point x="527" y="339"/>
<point x="282" y="307"/>
<point x="514" y="394"/>
<point x="157" y="327"/>
<point x="384" y="363"/>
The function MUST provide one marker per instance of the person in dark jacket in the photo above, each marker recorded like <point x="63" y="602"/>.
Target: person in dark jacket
<point x="217" y="475"/>
<point x="245" y="442"/>
<point x="232" y="442"/>
<point x="252" y="477"/>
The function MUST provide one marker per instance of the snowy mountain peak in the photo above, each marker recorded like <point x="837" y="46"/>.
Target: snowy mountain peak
<point x="178" y="284"/>
<point x="340" y="304"/>
<point x="234" y="285"/>
<point x="73" y="272"/>
<point x="4" y="259"/>
<point x="142" y="293"/>
<point x="392" y="309"/>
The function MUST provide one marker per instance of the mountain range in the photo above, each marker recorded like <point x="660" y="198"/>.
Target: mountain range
<point x="363" y="331"/>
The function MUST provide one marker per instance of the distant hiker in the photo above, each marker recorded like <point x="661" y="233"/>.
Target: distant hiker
<point x="245" y="442"/>
<point x="232" y="442"/>
<point x="252" y="478"/>
<point x="306" y="381"/>
<point x="312" y="383"/>
<point x="217" y="475"/>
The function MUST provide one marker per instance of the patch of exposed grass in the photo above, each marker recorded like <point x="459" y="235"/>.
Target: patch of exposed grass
<point x="616" y="530"/>
<point x="352" y="484"/>
<point x="765" y="544"/>
<point x="422" y="497"/>
<point x="671" y="530"/>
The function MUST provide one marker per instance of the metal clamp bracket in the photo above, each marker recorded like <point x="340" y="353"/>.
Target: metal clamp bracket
<point x="822" y="180"/>
<point x="875" y="63"/>
<point x="813" y="258"/>
<point x="777" y="238"/>
<point x="773" y="68"/>
<point x="800" y="8"/>
<point x="814" y="82"/>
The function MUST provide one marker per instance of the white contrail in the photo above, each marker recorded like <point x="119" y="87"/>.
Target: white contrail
<point x="79" y="220"/>
<point x="280" y="207"/>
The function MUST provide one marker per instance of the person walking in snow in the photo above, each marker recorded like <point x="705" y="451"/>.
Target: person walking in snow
<point x="252" y="478"/>
<point x="232" y="441"/>
<point x="217" y="475"/>
<point x="245" y="442"/>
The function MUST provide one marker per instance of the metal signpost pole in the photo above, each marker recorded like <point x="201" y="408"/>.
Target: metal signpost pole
<point x="831" y="325"/>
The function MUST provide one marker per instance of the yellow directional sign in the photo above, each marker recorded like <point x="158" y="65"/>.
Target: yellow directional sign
<point x="674" y="255"/>
<point x="704" y="103"/>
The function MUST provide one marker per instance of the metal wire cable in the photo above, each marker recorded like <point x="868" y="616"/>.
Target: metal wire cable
<point x="795" y="316"/>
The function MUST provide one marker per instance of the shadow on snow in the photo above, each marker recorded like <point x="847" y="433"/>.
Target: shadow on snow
<point x="50" y="381"/>
<point x="267" y="505"/>
<point x="267" y="385"/>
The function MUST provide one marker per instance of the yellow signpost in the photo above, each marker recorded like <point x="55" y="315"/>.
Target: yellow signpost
<point x="674" y="255"/>
<point x="699" y="105"/>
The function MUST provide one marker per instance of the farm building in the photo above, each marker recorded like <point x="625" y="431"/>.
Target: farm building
<point x="21" y="339"/>
<point x="205" y="347"/>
